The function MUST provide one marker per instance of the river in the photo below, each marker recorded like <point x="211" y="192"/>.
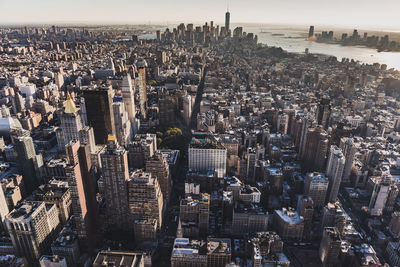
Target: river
<point x="294" y="41"/>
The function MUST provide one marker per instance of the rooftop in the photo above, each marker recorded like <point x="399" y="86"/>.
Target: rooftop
<point x="219" y="246"/>
<point x="289" y="215"/>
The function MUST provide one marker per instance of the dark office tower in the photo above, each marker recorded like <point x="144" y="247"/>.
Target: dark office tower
<point x="28" y="162"/>
<point x="167" y="110"/>
<point x="305" y="208"/>
<point x="83" y="196"/>
<point x="98" y="103"/>
<point x="315" y="150"/>
<point x="227" y="22"/>
<point x="323" y="112"/>
<point x="116" y="175"/>
<point x="158" y="33"/>
<point x="330" y="247"/>
<point x="311" y="32"/>
<point x="158" y="167"/>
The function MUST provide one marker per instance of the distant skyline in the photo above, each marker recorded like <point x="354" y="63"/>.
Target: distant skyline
<point x="378" y="15"/>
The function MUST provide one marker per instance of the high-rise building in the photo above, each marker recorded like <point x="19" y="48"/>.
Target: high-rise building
<point x="143" y="147"/>
<point x="311" y="32"/>
<point x="98" y="103"/>
<point x="167" y="110"/>
<point x="288" y="224"/>
<point x="323" y="112"/>
<point x="380" y="193"/>
<point x="145" y="198"/>
<point x="28" y="162"/>
<point x="194" y="215"/>
<point x="123" y="128"/>
<point x="248" y="218"/>
<point x="142" y="90"/>
<point x="158" y="167"/>
<point x="349" y="149"/>
<point x="83" y="206"/>
<point x="334" y="171"/>
<point x="71" y="122"/>
<point x="187" y="109"/>
<point x="187" y="252"/>
<point x="219" y="252"/>
<point x="330" y="247"/>
<point x="333" y="215"/>
<point x="316" y="187"/>
<point x="394" y="224"/>
<point x="128" y="96"/>
<point x="66" y="245"/>
<point x="267" y="249"/>
<point x="305" y="208"/>
<point x="31" y="227"/>
<point x="3" y="209"/>
<point x="282" y="123"/>
<point x="56" y="192"/>
<point x="72" y="127"/>
<point x="306" y="122"/>
<point x="114" y="163"/>
<point x="207" y="154"/>
<point x="316" y="149"/>
<point x="227" y="22"/>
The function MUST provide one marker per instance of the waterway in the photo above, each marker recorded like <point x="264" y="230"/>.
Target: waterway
<point x="295" y="41"/>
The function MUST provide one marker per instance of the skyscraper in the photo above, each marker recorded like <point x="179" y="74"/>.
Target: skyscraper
<point x="158" y="167"/>
<point x="323" y="112"/>
<point x="123" y="128"/>
<point x="380" y="193"/>
<point x="227" y="22"/>
<point x="98" y="103"/>
<point x="349" y="149"/>
<point x="334" y="171"/>
<point x="30" y="226"/>
<point x="316" y="187"/>
<point x="311" y="32"/>
<point x="128" y="96"/>
<point x="330" y="247"/>
<point x="187" y="109"/>
<point x="142" y="90"/>
<point x="145" y="198"/>
<point x="82" y="196"/>
<point x="72" y="127"/>
<point x="71" y="123"/>
<point x="333" y="215"/>
<point x="28" y="162"/>
<point x="116" y="175"/>
<point x="305" y="208"/>
<point x="316" y="148"/>
<point x="3" y="209"/>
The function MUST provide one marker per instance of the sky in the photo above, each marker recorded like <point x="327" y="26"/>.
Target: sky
<point x="375" y="14"/>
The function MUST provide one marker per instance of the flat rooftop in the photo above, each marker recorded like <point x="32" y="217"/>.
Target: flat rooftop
<point x="289" y="216"/>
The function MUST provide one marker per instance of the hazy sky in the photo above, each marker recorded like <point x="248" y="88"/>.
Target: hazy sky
<point x="383" y="14"/>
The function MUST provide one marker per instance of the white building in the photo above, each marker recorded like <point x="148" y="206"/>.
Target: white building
<point x="334" y="172"/>
<point x="205" y="155"/>
<point x="380" y="194"/>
